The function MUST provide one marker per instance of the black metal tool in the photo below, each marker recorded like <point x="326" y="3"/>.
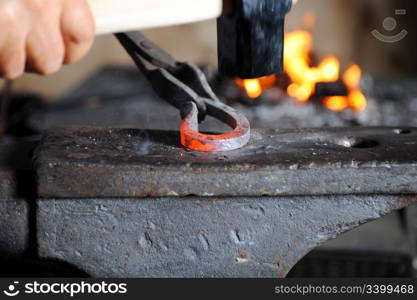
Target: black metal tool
<point x="185" y="86"/>
<point x="175" y="82"/>
<point x="251" y="38"/>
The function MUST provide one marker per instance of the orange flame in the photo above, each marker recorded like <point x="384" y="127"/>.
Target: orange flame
<point x="351" y="78"/>
<point x="298" y="46"/>
<point x="255" y="87"/>
<point x="304" y="77"/>
<point x="336" y="103"/>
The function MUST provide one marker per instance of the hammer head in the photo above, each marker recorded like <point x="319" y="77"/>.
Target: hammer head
<point x="251" y="38"/>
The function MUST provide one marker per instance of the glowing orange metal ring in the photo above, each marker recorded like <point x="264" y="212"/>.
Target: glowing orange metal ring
<point x="192" y="139"/>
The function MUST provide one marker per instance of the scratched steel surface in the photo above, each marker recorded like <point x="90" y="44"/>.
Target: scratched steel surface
<point x="90" y="162"/>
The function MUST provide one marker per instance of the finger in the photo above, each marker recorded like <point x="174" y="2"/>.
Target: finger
<point x="12" y="58"/>
<point x="78" y="30"/>
<point x="12" y="41"/>
<point x="45" y="49"/>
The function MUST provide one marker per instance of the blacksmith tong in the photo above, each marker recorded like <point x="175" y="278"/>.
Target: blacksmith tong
<point x="184" y="85"/>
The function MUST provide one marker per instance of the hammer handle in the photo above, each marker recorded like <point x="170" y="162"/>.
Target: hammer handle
<point x="123" y="15"/>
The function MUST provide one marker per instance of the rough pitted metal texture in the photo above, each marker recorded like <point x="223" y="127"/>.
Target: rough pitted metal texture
<point x="199" y="237"/>
<point x="93" y="163"/>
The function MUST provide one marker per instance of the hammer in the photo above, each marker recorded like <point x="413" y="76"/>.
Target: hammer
<point x="250" y="32"/>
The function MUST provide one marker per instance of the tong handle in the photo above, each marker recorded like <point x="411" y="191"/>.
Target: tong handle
<point x="176" y="82"/>
<point x="147" y="56"/>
